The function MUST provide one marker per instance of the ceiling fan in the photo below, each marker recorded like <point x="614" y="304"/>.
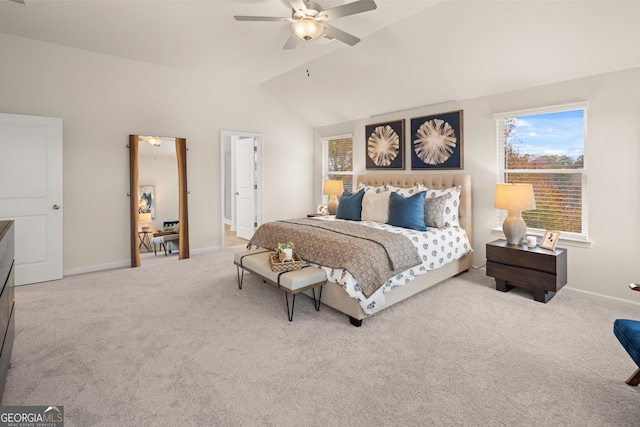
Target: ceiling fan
<point x="309" y="20"/>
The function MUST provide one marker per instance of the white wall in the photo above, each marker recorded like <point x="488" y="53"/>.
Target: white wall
<point x="103" y="99"/>
<point x="612" y="161"/>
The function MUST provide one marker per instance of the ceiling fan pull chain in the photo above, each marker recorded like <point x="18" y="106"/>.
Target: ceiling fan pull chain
<point x="308" y="74"/>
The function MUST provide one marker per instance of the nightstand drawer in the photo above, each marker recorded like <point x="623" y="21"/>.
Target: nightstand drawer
<point x="525" y="277"/>
<point x="533" y="258"/>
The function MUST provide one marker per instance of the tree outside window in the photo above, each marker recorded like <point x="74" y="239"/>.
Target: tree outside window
<point x="339" y="160"/>
<point x="547" y="150"/>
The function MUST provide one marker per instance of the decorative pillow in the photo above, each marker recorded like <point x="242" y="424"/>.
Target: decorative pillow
<point x="450" y="216"/>
<point x="350" y="206"/>
<point x="368" y="188"/>
<point x="375" y="206"/>
<point x="434" y="211"/>
<point x="407" y="212"/>
<point x="405" y="192"/>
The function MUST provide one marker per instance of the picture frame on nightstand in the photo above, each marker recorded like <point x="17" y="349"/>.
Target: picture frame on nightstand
<point x="550" y="239"/>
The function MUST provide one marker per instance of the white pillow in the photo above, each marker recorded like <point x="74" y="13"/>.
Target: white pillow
<point x="405" y="192"/>
<point x="368" y="188"/>
<point x="375" y="206"/>
<point x="451" y="206"/>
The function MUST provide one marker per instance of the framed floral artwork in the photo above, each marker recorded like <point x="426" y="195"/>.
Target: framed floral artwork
<point x="385" y="145"/>
<point x="436" y="141"/>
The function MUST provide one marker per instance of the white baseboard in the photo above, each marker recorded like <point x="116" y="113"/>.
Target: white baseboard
<point x="206" y="250"/>
<point x="94" y="268"/>
<point x="596" y="295"/>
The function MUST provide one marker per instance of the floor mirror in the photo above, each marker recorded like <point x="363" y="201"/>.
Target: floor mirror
<point x="141" y="234"/>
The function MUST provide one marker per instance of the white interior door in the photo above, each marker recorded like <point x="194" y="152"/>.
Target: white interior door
<point x="31" y="193"/>
<point x="245" y="188"/>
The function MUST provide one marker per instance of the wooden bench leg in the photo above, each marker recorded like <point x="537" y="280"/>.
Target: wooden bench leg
<point x="634" y="379"/>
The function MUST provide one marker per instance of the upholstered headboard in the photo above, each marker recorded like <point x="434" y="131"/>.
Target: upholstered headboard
<point x="436" y="181"/>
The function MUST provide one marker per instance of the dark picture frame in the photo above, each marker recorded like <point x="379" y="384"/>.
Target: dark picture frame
<point x="437" y="141"/>
<point x="384" y="145"/>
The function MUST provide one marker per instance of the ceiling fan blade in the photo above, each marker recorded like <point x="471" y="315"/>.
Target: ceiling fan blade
<point x="292" y="42"/>
<point x="350" y="9"/>
<point x="18" y="1"/>
<point x="261" y="18"/>
<point x="298" y="5"/>
<point x="335" y="33"/>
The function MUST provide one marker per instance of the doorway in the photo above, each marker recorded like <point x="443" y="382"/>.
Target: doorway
<point x="241" y="186"/>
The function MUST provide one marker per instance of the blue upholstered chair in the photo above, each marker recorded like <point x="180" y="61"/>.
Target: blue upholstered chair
<point x="628" y="333"/>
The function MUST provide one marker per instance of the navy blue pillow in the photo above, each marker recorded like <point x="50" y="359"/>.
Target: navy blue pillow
<point x="350" y="206"/>
<point x="407" y="213"/>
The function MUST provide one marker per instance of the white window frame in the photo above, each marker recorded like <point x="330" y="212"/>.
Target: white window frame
<point x="325" y="160"/>
<point x="575" y="239"/>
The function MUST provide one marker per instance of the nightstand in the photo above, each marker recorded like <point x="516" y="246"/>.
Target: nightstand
<point x="543" y="271"/>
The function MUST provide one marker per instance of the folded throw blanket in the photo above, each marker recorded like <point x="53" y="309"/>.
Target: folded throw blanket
<point x="372" y="256"/>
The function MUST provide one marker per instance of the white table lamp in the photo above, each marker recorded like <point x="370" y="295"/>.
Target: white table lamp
<point x="514" y="198"/>
<point x="332" y="188"/>
<point x="144" y="219"/>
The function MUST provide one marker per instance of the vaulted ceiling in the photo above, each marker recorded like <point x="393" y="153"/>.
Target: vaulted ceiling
<point x="412" y="52"/>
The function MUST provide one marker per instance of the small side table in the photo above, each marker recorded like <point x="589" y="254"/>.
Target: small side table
<point x="145" y="241"/>
<point x="541" y="270"/>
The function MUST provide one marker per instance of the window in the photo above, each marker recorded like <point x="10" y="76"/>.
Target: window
<point x="546" y="148"/>
<point x="338" y="160"/>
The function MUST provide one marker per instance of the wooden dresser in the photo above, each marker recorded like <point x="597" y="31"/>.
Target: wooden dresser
<point x="7" y="281"/>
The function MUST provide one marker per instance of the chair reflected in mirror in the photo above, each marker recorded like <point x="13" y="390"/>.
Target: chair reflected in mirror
<point x="167" y="238"/>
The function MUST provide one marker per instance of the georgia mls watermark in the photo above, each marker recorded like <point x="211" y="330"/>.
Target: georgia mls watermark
<point x="31" y="416"/>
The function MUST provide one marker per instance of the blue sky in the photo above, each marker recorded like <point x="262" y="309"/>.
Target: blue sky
<point x="552" y="133"/>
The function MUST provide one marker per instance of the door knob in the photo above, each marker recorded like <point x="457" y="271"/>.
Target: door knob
<point x="56" y="207"/>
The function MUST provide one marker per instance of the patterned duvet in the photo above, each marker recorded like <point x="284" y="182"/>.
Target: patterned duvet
<point x="436" y="246"/>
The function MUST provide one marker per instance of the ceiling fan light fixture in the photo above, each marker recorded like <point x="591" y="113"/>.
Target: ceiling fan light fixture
<point x="307" y="29"/>
<point x="153" y="140"/>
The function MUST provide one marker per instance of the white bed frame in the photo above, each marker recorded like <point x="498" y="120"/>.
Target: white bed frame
<point x="336" y="297"/>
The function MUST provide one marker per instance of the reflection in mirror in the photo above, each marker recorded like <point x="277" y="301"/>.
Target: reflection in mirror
<point x="159" y="220"/>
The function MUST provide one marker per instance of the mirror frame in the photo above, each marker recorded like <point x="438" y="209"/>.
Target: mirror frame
<point x="183" y="214"/>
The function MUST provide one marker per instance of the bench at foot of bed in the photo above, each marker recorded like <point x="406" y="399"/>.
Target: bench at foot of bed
<point x="257" y="261"/>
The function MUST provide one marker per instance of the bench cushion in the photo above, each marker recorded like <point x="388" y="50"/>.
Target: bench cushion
<point x="257" y="260"/>
<point x="628" y="333"/>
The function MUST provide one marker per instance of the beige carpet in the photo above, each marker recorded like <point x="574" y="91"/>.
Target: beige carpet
<point x="178" y="344"/>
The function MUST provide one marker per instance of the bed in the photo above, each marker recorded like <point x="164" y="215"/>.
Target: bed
<point x="347" y="295"/>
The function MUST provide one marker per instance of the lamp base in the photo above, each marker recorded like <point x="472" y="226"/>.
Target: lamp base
<point x="514" y="228"/>
<point x="332" y="206"/>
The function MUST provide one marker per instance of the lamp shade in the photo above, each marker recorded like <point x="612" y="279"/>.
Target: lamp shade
<point x="517" y="197"/>
<point x="144" y="218"/>
<point x="307" y="29"/>
<point x="332" y="187"/>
